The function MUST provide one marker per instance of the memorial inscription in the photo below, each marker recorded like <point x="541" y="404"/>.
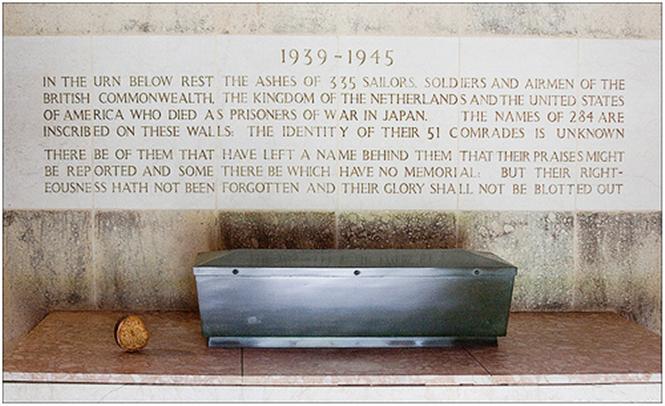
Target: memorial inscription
<point x="332" y="123"/>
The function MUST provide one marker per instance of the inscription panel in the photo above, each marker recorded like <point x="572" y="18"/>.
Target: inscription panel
<point x="331" y="123"/>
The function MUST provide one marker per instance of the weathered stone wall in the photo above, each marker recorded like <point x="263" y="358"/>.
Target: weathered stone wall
<point x="141" y="259"/>
<point x="542" y="20"/>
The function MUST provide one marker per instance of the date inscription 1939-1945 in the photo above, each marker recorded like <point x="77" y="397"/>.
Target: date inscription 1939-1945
<point x="320" y="56"/>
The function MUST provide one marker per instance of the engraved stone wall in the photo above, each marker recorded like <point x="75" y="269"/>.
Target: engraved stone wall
<point x="95" y="257"/>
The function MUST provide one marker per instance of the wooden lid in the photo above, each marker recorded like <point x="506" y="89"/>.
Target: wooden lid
<point x="131" y="334"/>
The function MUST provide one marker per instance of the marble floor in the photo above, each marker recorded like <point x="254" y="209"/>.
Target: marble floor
<point x="540" y="349"/>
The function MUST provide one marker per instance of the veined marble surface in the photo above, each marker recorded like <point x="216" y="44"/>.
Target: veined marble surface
<point x="16" y="392"/>
<point x="540" y="348"/>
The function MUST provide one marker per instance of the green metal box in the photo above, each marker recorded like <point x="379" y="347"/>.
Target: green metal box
<point x="352" y="298"/>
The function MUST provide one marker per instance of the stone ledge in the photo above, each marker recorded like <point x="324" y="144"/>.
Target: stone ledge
<point x="540" y="349"/>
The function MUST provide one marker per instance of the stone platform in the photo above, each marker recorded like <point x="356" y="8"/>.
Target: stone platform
<point x="540" y="349"/>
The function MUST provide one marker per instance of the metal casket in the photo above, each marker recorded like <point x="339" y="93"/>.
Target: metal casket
<point x="352" y="298"/>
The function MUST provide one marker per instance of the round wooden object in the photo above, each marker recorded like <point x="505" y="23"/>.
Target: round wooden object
<point x="131" y="334"/>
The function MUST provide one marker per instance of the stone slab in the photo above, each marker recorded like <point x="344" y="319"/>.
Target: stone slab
<point x="572" y="343"/>
<point x="39" y="392"/>
<point x="540" y="348"/>
<point x="80" y="347"/>
<point x="515" y="123"/>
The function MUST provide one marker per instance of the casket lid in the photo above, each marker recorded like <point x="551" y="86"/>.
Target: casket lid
<point x="351" y="258"/>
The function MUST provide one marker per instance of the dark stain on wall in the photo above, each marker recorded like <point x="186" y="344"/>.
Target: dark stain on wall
<point x="397" y="230"/>
<point x="47" y="265"/>
<point x="143" y="259"/>
<point x="540" y="244"/>
<point x="619" y="264"/>
<point x="308" y="230"/>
